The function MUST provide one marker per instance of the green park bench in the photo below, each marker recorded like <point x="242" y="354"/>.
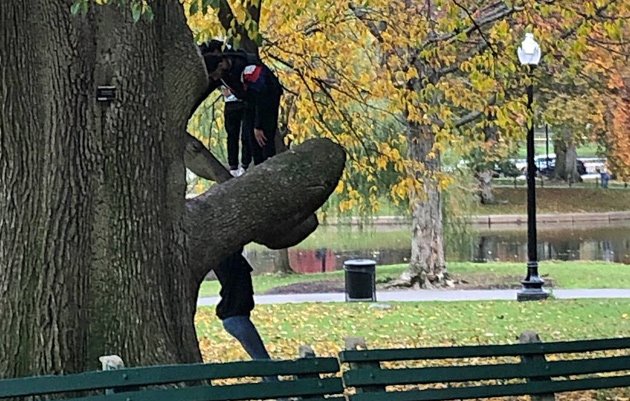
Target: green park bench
<point x="464" y="372"/>
<point x="300" y="378"/>
<point x="472" y="371"/>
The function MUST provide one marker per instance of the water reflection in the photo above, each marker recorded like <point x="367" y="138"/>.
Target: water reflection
<point x="323" y="260"/>
<point x="610" y="245"/>
<point x="329" y="247"/>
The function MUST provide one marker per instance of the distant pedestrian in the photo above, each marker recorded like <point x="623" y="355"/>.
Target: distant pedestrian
<point x="604" y="176"/>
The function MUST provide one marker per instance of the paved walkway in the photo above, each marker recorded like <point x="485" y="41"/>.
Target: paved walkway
<point x="429" y="295"/>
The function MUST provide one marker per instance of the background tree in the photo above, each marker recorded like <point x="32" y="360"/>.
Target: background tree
<point x="617" y="136"/>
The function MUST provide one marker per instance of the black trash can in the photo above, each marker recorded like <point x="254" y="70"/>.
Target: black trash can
<point x="360" y="277"/>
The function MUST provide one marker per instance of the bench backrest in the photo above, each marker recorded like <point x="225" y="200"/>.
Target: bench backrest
<point x="483" y="377"/>
<point x="300" y="378"/>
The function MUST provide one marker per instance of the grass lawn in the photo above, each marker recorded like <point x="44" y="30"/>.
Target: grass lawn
<point x="578" y="274"/>
<point x="580" y="198"/>
<point x="557" y="200"/>
<point x="324" y="326"/>
<point x="586" y="150"/>
<point x="564" y="275"/>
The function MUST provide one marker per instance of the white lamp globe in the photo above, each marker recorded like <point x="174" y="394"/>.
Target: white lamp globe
<point x="529" y="51"/>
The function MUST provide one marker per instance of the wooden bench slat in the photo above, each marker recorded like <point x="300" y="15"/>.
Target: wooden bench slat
<point x="441" y="374"/>
<point x="246" y="391"/>
<point x="402" y="354"/>
<point x="506" y="390"/>
<point x="162" y="375"/>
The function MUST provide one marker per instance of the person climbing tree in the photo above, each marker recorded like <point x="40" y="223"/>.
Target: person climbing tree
<point x="234" y="272"/>
<point x="237" y="302"/>
<point x="233" y="116"/>
<point x="259" y="87"/>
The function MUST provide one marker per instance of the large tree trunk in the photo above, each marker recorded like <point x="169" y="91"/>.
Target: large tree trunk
<point x="427" y="266"/>
<point x="484" y="177"/>
<point x="99" y="251"/>
<point x="46" y="186"/>
<point x="282" y="263"/>
<point x="571" y="168"/>
<point x="566" y="160"/>
<point x="484" y="182"/>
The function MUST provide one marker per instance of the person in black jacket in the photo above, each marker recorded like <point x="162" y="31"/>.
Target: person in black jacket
<point x="237" y="302"/>
<point x="254" y="83"/>
<point x="233" y="117"/>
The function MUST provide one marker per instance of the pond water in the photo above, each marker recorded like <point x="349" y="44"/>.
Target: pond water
<point x="330" y="246"/>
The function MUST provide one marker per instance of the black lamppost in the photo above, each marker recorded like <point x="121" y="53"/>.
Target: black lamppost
<point x="529" y="55"/>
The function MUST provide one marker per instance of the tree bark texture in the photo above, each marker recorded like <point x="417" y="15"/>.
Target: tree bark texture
<point x="427" y="264"/>
<point x="566" y="160"/>
<point x="486" y="193"/>
<point x="282" y="263"/>
<point x="99" y="251"/>
<point x="484" y="177"/>
<point x="46" y="157"/>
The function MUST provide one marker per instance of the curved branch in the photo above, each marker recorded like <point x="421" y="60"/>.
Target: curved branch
<point x="298" y="233"/>
<point x="184" y="74"/>
<point x="200" y="161"/>
<point x="203" y="163"/>
<point x="265" y="203"/>
<point x="476" y="26"/>
<point x="229" y="20"/>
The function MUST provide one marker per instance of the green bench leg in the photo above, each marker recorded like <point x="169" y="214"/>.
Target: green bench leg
<point x="357" y="344"/>
<point x="528" y="337"/>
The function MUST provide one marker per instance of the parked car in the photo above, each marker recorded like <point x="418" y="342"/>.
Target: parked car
<point x="547" y="165"/>
<point x="506" y="168"/>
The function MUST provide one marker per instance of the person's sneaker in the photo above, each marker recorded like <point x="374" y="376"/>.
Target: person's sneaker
<point x="240" y="171"/>
<point x="235" y="173"/>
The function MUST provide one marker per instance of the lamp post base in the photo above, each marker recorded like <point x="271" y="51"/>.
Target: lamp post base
<point x="532" y="288"/>
<point x="531" y="294"/>
<point x="532" y="285"/>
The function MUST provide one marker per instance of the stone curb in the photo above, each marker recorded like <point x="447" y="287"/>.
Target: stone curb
<point x="493" y="219"/>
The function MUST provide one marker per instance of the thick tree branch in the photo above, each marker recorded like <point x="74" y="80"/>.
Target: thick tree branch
<point x="490" y="14"/>
<point x="468" y="118"/>
<point x="184" y="75"/>
<point x="476" y="26"/>
<point x="203" y="163"/>
<point x="227" y="18"/>
<point x="253" y="9"/>
<point x="232" y="214"/>
<point x="375" y="30"/>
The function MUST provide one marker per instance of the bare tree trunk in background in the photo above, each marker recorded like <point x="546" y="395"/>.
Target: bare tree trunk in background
<point x="484" y="178"/>
<point x="486" y="193"/>
<point x="427" y="266"/>
<point x="566" y="159"/>
<point x="282" y="264"/>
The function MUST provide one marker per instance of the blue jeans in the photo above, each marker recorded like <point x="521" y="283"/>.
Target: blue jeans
<point x="242" y="328"/>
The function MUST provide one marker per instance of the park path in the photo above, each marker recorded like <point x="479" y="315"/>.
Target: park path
<point x="428" y="295"/>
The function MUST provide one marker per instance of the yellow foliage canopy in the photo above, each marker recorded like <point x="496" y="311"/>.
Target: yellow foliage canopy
<point x="364" y="74"/>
